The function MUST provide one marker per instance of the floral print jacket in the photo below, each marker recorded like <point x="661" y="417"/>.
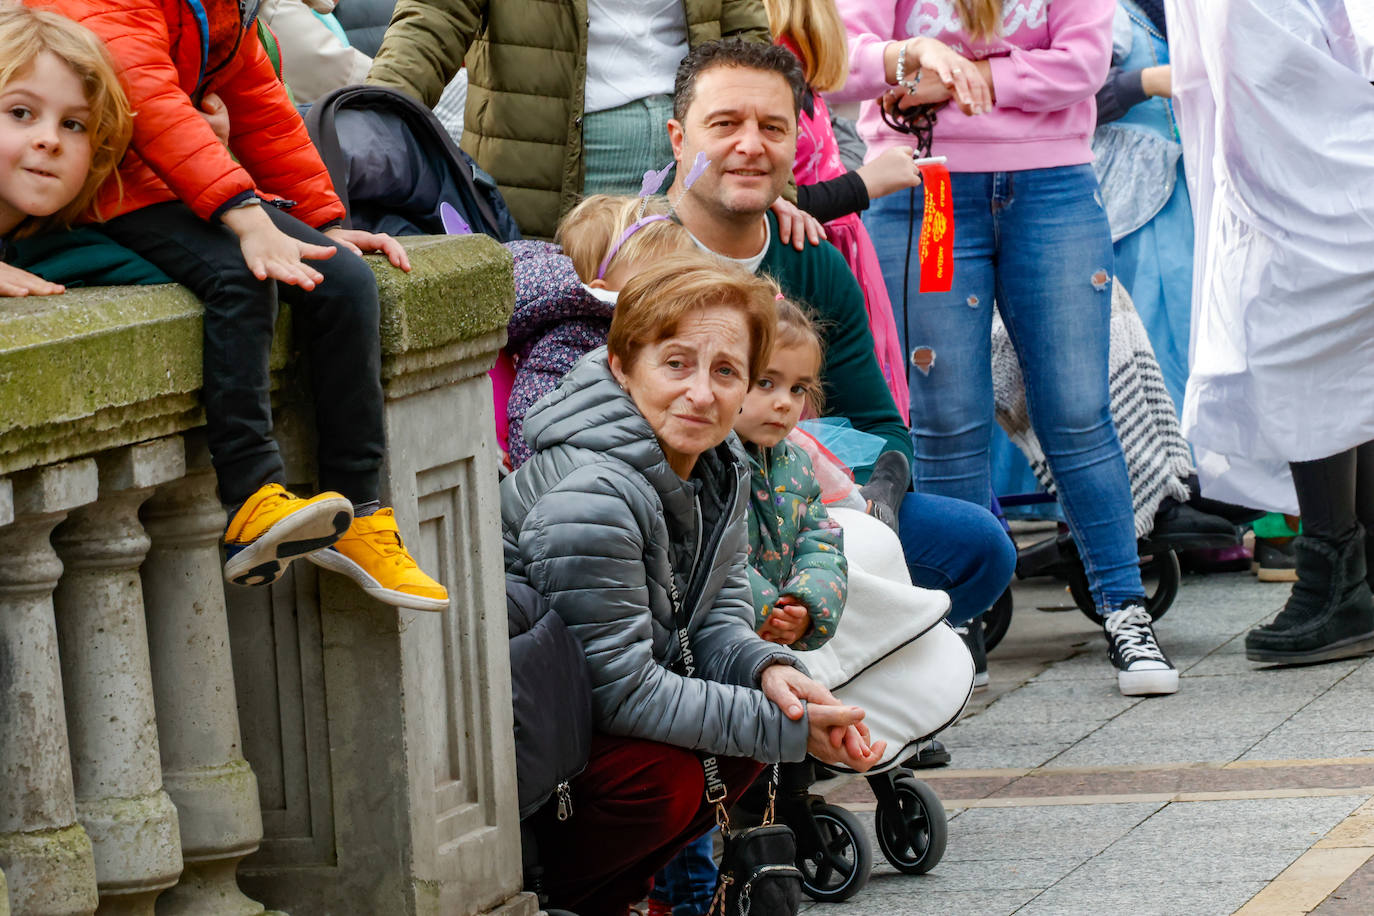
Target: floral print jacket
<point x="794" y="546"/>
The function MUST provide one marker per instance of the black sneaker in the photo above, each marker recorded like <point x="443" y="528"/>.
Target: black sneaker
<point x="1275" y="561"/>
<point x="972" y="635"/>
<point x="1142" y="668"/>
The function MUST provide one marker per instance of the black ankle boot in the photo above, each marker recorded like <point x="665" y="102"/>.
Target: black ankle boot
<point x="1369" y="560"/>
<point x="886" y="486"/>
<point x="1330" y="614"/>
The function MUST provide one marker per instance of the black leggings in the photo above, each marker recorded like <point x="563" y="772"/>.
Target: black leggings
<point x="335" y="325"/>
<point x="1336" y="492"/>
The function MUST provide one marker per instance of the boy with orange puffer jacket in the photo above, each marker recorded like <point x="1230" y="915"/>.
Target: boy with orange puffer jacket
<point x="219" y="224"/>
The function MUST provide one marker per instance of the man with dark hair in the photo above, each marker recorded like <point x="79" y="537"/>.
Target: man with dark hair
<point x="769" y="58"/>
<point x="737" y="104"/>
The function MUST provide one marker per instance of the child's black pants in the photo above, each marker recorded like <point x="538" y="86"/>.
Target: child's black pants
<point x="335" y="325"/>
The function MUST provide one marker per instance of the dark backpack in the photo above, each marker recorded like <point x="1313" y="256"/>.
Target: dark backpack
<point x="393" y="165"/>
<point x="551" y="695"/>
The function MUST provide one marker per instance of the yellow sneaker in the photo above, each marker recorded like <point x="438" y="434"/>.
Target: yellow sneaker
<point x="273" y="527"/>
<point x="372" y="555"/>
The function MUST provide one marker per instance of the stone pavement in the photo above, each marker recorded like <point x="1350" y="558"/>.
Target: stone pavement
<point x="1250" y="791"/>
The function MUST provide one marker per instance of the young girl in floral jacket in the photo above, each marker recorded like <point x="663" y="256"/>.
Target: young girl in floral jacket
<point x="796" y="552"/>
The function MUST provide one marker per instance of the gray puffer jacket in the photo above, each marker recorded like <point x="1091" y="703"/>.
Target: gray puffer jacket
<point x="598" y="523"/>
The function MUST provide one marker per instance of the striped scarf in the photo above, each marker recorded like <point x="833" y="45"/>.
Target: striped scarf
<point x="1158" y="460"/>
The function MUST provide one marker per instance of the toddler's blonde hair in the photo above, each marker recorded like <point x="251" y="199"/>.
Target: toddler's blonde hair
<point x="25" y="34"/>
<point x="797" y="328"/>
<point x="589" y="230"/>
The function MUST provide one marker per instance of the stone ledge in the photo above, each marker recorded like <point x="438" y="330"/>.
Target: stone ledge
<point x="98" y="368"/>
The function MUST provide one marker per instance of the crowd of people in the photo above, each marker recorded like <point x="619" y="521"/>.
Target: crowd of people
<point x="670" y="334"/>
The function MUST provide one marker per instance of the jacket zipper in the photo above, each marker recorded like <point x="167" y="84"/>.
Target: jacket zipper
<point x="696" y="551"/>
<point x="698" y="575"/>
<point x="248" y="13"/>
<point x="565" y="808"/>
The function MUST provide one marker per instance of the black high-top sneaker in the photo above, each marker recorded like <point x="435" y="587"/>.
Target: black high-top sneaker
<point x="1330" y="614"/>
<point x="1142" y="668"/>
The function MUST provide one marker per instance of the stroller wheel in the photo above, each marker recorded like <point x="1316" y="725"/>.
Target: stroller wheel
<point x="835" y="857"/>
<point x="997" y="621"/>
<point x="1160" y="568"/>
<point x="913" y="835"/>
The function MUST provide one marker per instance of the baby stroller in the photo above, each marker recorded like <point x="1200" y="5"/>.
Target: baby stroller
<point x="913" y="675"/>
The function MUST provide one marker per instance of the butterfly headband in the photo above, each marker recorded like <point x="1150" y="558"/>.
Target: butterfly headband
<point x="652" y="182"/>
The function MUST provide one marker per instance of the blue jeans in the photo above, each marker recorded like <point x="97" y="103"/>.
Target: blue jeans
<point x="956" y="547"/>
<point x="688" y="882"/>
<point x="1037" y="243"/>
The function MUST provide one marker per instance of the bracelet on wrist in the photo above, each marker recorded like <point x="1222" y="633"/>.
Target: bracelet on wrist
<point x="908" y="85"/>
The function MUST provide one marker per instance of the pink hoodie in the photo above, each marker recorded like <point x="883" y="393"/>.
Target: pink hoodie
<point x="1047" y="65"/>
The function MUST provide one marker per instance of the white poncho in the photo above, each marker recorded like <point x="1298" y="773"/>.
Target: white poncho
<point x="1276" y="113"/>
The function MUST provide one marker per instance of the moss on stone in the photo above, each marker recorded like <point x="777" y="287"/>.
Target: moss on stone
<point x="458" y="289"/>
<point x="97" y="368"/>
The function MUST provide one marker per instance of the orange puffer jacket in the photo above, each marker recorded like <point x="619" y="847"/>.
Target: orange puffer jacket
<point x="170" y="52"/>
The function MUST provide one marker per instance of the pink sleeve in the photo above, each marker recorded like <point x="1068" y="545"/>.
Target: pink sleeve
<point x="871" y="25"/>
<point x="1071" y="69"/>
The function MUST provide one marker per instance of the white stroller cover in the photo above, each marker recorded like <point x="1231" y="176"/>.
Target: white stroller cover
<point x="892" y="653"/>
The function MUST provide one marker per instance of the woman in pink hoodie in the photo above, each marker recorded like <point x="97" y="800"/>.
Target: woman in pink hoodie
<point x="1030" y="234"/>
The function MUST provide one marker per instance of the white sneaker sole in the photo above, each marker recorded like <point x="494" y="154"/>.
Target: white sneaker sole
<point x="307" y="529"/>
<point x="1154" y="682"/>
<point x="336" y="562"/>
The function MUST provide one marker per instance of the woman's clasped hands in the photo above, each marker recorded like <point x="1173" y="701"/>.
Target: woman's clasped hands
<point x="966" y="83"/>
<point x="838" y="734"/>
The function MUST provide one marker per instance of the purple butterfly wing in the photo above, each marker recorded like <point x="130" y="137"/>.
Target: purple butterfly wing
<point x="453" y="221"/>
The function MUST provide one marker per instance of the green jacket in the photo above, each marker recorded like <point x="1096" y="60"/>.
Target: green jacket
<point x="527" y="66"/>
<point x="794" y="546"/>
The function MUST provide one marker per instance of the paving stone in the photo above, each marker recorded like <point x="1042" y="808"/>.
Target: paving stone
<point x="1089" y="663"/>
<point x="1060" y="701"/>
<point x="994" y="755"/>
<point x="1148" y="898"/>
<point x="1199" y="863"/>
<point x="1229" y="658"/>
<point x="899" y="895"/>
<point x="1096" y="751"/>
<point x="1058" y="708"/>
<point x="977" y="731"/>
<point x="1004" y="873"/>
<point x="1288" y="822"/>
<point x="1055" y="782"/>
<point x="1353" y="897"/>
<point x="1344" y="713"/>
<point x="1067" y="831"/>
<point x="1296" y="742"/>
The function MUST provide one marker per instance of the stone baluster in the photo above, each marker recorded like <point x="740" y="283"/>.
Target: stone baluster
<point x="107" y="681"/>
<point x="44" y="851"/>
<point x="203" y="768"/>
<point x="4" y="896"/>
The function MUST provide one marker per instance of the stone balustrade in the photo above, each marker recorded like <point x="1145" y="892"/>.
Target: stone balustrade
<point x="171" y="745"/>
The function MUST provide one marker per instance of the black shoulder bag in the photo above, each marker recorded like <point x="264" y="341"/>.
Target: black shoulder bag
<point x="758" y="871"/>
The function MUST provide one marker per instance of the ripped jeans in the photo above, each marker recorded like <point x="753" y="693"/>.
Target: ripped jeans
<point x="1037" y="243"/>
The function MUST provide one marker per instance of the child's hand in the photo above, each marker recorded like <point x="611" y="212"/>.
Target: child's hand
<point x="893" y="170"/>
<point x="357" y="241"/>
<point x="213" y="110"/>
<point x="16" y="282"/>
<point x="795" y="225"/>
<point x="789" y="622"/>
<point x="271" y="253"/>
